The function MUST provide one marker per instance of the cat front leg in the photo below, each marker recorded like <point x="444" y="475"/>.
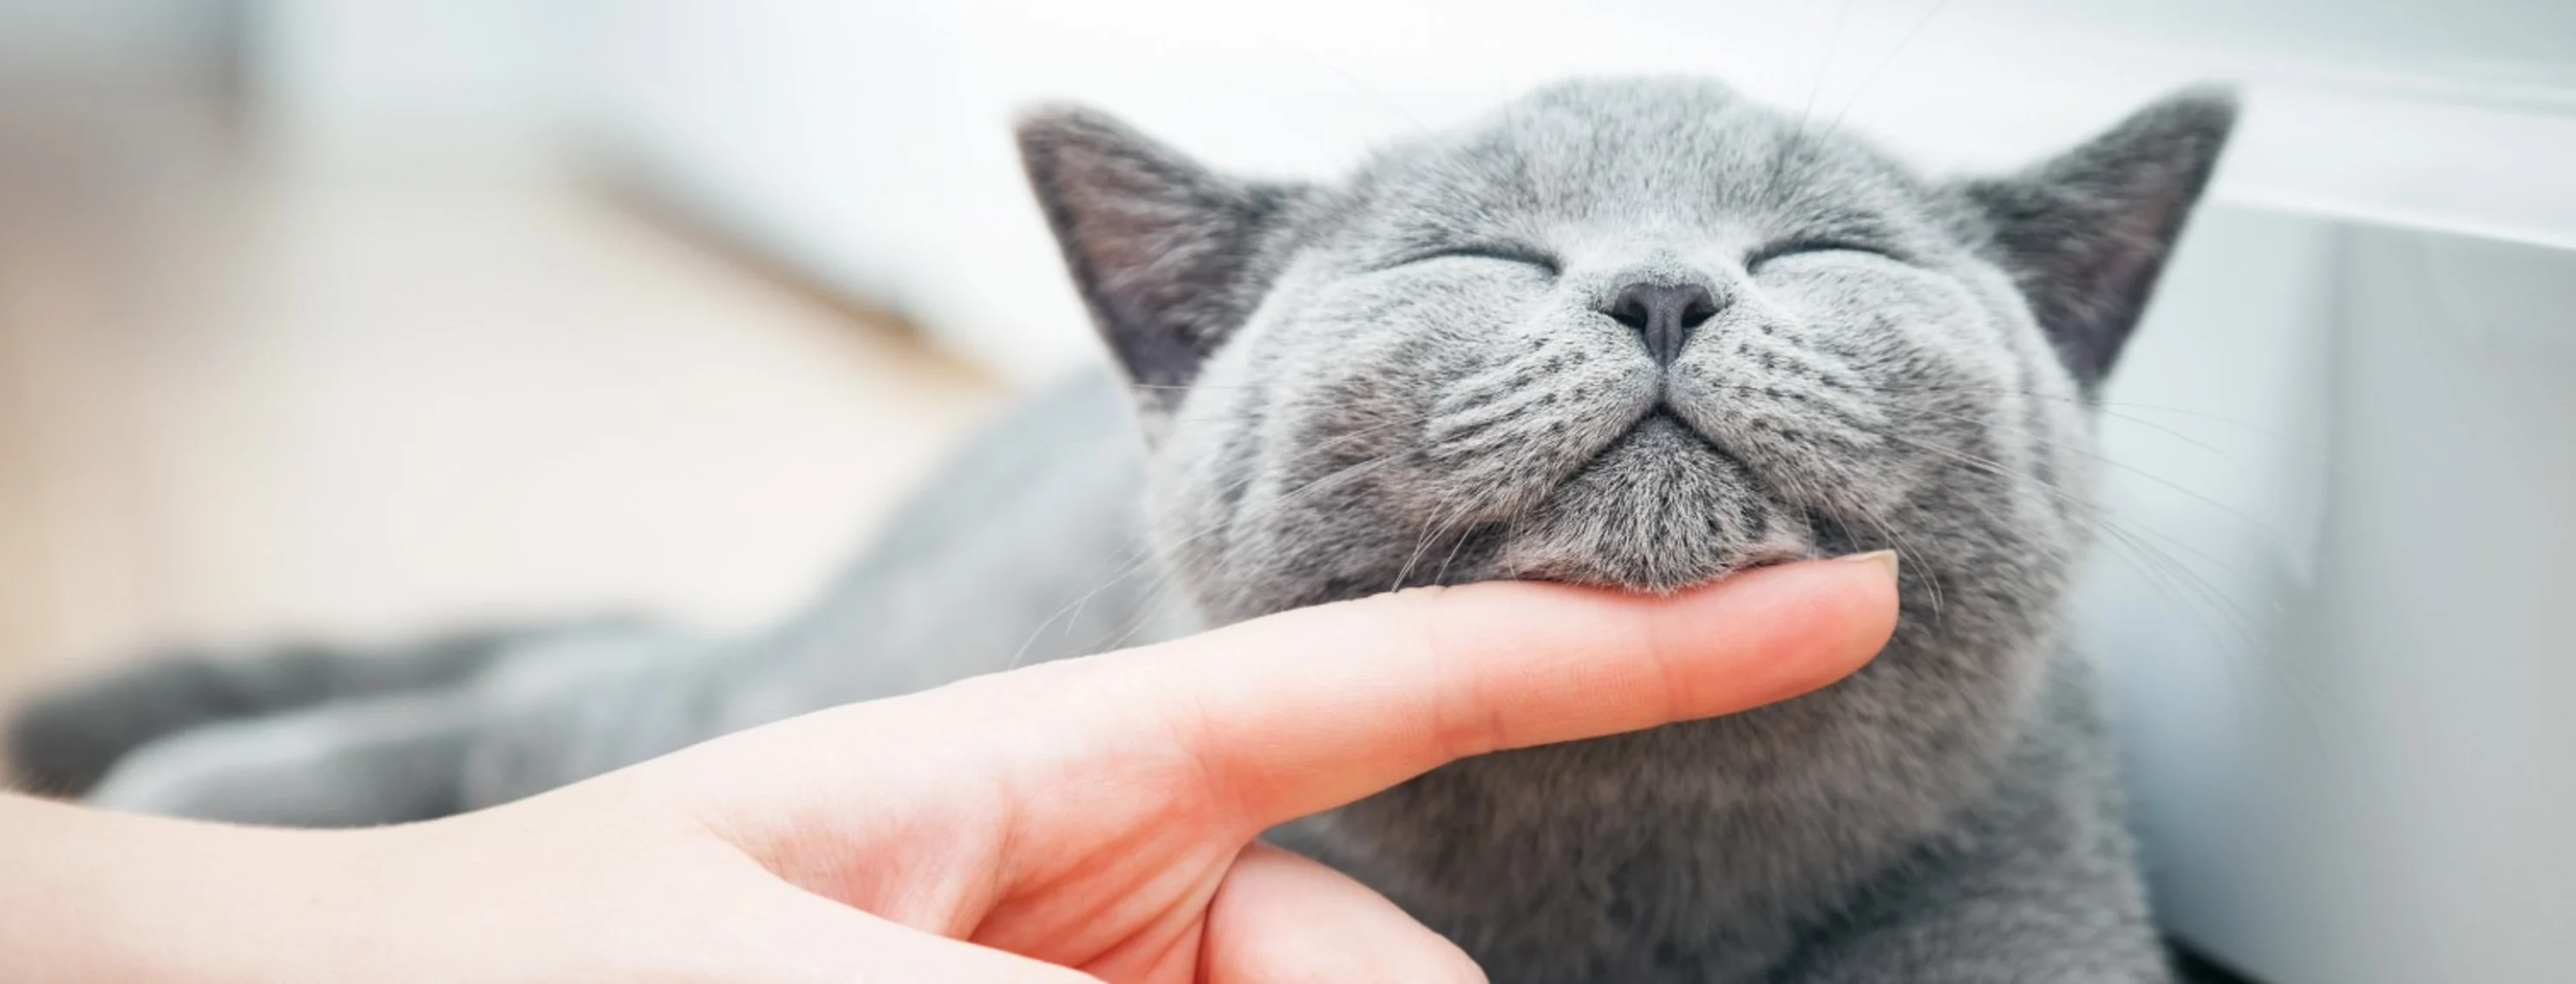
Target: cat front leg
<point x="353" y="763"/>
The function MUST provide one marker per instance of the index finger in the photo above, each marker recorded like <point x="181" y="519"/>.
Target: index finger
<point x="1310" y="709"/>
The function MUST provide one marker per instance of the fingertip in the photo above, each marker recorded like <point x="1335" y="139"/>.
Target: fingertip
<point x="1885" y="560"/>
<point x="1776" y="632"/>
<point x="1863" y="600"/>
<point x="1309" y="709"/>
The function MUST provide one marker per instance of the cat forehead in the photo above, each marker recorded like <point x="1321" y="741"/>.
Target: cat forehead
<point x="1682" y="150"/>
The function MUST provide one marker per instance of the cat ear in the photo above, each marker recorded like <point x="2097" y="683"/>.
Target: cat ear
<point x="2086" y="233"/>
<point x="1164" y="251"/>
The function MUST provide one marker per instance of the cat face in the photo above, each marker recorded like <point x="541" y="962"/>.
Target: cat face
<point x="1637" y="333"/>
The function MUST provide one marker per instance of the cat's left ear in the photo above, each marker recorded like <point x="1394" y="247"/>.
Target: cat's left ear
<point x="2086" y="233"/>
<point x="1168" y="255"/>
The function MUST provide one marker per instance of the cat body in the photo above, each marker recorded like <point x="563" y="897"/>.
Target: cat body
<point x="1631" y="332"/>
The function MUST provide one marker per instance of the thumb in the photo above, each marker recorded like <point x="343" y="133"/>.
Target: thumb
<point x="834" y="942"/>
<point x="1281" y="918"/>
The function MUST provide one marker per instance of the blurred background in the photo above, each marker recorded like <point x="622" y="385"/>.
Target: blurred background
<point x="357" y="319"/>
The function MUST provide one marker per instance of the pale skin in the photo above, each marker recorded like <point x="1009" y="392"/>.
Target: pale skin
<point x="1091" y="820"/>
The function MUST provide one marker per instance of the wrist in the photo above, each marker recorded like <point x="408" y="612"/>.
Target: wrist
<point x="93" y="895"/>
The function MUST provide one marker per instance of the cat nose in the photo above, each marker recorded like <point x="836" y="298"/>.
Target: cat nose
<point x="1663" y="315"/>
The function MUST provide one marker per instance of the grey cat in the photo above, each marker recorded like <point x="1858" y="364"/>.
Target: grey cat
<point x="1634" y="332"/>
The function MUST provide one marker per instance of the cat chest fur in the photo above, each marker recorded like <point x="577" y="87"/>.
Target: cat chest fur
<point x="1703" y="852"/>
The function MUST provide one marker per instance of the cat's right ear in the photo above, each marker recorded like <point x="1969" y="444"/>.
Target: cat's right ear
<point x="1167" y="254"/>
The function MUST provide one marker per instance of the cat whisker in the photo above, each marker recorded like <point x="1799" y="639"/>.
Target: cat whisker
<point x="1824" y="67"/>
<point x="1902" y="42"/>
<point x="2168" y="575"/>
<point x="2079" y="401"/>
<point x="2260" y="528"/>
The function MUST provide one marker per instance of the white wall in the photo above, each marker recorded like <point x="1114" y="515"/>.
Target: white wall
<point x="411" y="74"/>
<point x="868" y="141"/>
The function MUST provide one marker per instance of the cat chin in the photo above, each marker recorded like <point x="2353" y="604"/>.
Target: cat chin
<point x="1660" y="510"/>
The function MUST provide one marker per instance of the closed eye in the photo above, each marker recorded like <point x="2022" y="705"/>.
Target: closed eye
<point x="1497" y="253"/>
<point x="1804" y="247"/>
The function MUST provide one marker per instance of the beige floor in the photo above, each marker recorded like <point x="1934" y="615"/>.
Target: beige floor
<point x="246" y="395"/>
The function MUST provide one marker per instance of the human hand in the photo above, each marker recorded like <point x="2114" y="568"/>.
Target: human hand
<point x="1090" y="819"/>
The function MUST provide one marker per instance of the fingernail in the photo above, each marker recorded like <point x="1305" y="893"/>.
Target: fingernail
<point x="1885" y="559"/>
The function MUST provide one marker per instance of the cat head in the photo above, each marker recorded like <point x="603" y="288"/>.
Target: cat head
<point x="1637" y="332"/>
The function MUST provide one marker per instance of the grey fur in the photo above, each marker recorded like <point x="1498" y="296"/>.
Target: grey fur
<point x="1412" y="377"/>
